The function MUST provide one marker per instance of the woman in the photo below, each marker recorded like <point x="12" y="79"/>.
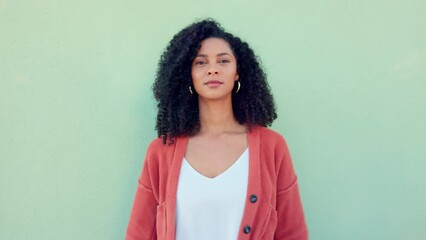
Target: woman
<point x="216" y="171"/>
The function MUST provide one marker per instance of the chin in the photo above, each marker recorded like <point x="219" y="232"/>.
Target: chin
<point x="214" y="96"/>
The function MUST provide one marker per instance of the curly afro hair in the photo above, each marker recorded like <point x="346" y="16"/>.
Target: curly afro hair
<point x="178" y="109"/>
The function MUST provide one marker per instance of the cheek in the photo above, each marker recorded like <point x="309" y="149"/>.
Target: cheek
<point x="196" y="77"/>
<point x="232" y="69"/>
<point x="194" y="74"/>
<point x="231" y="72"/>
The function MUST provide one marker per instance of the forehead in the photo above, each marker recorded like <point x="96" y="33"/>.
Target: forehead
<point x="214" y="45"/>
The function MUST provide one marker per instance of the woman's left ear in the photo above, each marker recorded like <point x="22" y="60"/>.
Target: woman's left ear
<point x="237" y="77"/>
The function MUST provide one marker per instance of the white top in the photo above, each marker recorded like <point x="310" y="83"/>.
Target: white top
<point x="211" y="208"/>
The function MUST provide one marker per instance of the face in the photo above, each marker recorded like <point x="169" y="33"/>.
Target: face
<point x="214" y="70"/>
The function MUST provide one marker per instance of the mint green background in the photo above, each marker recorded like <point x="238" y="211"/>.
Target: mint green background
<point x="76" y="111"/>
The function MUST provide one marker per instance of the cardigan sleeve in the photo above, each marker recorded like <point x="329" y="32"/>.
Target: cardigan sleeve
<point x="291" y="219"/>
<point x="142" y="222"/>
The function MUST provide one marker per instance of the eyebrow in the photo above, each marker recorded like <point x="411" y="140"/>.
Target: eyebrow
<point x="220" y="54"/>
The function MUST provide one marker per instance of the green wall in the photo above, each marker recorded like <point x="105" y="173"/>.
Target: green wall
<point x="76" y="111"/>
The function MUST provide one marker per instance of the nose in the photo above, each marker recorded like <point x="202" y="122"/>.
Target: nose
<point x="212" y="71"/>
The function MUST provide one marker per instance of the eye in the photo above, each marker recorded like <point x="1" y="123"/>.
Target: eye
<point x="200" y="62"/>
<point x="224" y="61"/>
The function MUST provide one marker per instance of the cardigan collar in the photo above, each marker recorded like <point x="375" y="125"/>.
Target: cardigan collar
<point x="253" y="140"/>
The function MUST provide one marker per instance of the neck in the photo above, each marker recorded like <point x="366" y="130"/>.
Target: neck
<point x="217" y="117"/>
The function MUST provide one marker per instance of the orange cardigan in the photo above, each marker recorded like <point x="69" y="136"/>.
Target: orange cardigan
<point x="273" y="209"/>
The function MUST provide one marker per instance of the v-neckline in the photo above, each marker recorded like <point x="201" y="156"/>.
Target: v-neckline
<point x="253" y="142"/>
<point x="220" y="175"/>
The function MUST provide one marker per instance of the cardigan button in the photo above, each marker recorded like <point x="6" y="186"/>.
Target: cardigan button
<point x="247" y="229"/>
<point x="253" y="198"/>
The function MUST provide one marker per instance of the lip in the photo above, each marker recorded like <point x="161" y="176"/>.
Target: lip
<point x="213" y="82"/>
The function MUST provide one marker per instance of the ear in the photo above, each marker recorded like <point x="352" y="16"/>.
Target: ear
<point x="237" y="77"/>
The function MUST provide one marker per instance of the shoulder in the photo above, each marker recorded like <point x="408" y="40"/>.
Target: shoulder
<point x="272" y="141"/>
<point x="157" y="150"/>
<point x="270" y="136"/>
<point x="156" y="144"/>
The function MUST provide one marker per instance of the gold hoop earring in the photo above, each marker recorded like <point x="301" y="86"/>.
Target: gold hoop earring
<point x="238" y="87"/>
<point x="190" y="90"/>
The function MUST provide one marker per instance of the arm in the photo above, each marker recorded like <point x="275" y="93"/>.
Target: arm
<point x="142" y="223"/>
<point x="291" y="220"/>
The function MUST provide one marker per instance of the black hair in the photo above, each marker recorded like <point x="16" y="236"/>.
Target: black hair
<point x="178" y="109"/>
